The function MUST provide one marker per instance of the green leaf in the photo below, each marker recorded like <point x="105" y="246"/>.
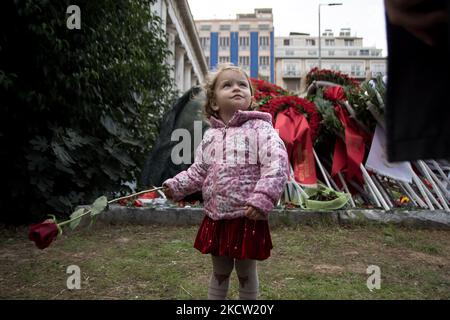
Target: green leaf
<point x="109" y="124"/>
<point x="39" y="143"/>
<point x="61" y="154"/>
<point x="74" y="215"/>
<point x="99" y="205"/>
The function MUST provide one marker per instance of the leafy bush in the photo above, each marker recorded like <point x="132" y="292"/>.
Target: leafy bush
<point x="79" y="108"/>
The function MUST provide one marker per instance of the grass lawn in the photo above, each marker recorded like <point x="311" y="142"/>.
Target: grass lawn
<point x="159" y="262"/>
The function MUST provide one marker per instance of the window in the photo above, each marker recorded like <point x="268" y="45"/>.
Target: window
<point x="331" y="52"/>
<point x="205" y="27"/>
<point x="225" y="27"/>
<point x="348" y="43"/>
<point x="378" y="69"/>
<point x="244" y="60"/>
<point x="244" y="27"/>
<point x="287" y="42"/>
<point x="204" y="42"/>
<point x="264" y="61"/>
<point x="356" y="70"/>
<point x="223" y="59"/>
<point x="352" y="52"/>
<point x="291" y="69"/>
<point x="310" y="42"/>
<point x="243" y="42"/>
<point x="374" y="53"/>
<point x="224" y="42"/>
<point x="263" y="42"/>
<point x="345" y="32"/>
<point x="364" y="52"/>
<point x="327" y="33"/>
<point x="329" y="42"/>
<point x="312" y="52"/>
<point x="335" y="67"/>
<point x="264" y="27"/>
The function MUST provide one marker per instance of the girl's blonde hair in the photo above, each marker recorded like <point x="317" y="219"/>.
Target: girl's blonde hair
<point x="210" y="85"/>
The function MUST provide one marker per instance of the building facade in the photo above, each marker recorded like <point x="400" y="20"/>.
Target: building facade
<point x="247" y="41"/>
<point x="297" y="54"/>
<point x="188" y="62"/>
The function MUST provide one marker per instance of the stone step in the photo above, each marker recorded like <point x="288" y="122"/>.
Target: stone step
<point x="437" y="219"/>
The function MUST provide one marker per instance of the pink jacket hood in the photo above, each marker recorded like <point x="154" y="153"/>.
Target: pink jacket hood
<point x="240" y="117"/>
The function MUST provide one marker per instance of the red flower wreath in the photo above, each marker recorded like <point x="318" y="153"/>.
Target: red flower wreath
<point x="306" y="107"/>
<point x="265" y="91"/>
<point x="331" y="76"/>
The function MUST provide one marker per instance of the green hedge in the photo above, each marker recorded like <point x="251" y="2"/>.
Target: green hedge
<point x="79" y="108"/>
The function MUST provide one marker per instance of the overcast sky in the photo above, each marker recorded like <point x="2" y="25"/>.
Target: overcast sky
<point x="364" y="17"/>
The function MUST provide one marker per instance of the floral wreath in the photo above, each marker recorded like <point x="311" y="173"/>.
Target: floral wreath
<point x="316" y="74"/>
<point x="265" y="91"/>
<point x="306" y="107"/>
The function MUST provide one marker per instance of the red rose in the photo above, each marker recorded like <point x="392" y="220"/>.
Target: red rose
<point x="43" y="233"/>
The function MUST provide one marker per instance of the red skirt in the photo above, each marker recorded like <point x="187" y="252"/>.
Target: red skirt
<point x="239" y="238"/>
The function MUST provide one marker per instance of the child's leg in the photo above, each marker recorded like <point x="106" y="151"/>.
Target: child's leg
<point x="248" y="279"/>
<point x="220" y="279"/>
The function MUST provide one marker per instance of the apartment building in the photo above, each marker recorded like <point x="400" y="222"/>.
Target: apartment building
<point x="296" y="54"/>
<point x="247" y="41"/>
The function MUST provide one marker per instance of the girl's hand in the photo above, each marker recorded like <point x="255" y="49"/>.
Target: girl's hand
<point x="167" y="192"/>
<point x="252" y="213"/>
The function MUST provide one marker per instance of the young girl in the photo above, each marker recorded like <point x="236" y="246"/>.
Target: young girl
<point x="241" y="167"/>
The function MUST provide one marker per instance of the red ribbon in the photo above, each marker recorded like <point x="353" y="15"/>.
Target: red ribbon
<point x="348" y="154"/>
<point x="335" y="93"/>
<point x="295" y="132"/>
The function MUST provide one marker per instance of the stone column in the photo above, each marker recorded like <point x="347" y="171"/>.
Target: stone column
<point x="170" y="59"/>
<point x="187" y="75"/>
<point x="179" y="67"/>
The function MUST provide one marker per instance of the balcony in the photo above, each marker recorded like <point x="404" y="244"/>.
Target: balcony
<point x="291" y="74"/>
<point x="378" y="73"/>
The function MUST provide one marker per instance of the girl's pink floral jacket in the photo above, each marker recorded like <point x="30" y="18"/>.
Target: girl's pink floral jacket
<point x="242" y="163"/>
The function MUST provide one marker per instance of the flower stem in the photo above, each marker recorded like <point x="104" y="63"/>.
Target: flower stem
<point x="133" y="195"/>
<point x="109" y="202"/>
<point x="73" y="219"/>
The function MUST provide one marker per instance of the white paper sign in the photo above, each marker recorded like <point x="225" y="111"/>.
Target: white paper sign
<point x="377" y="160"/>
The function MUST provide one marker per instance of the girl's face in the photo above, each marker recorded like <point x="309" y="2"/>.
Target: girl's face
<point x="232" y="92"/>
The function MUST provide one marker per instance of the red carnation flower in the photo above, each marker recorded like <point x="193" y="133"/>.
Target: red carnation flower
<point x="43" y="233"/>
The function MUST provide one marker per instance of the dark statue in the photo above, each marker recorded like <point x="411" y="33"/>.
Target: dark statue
<point x="159" y="165"/>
